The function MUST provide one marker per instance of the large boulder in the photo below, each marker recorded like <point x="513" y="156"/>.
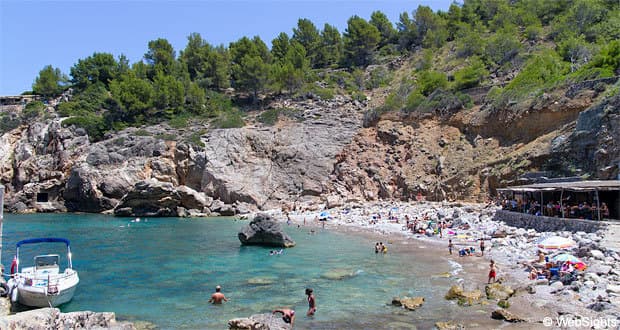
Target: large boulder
<point x="498" y="291"/>
<point x="264" y="230"/>
<point x="154" y="198"/>
<point x="467" y="298"/>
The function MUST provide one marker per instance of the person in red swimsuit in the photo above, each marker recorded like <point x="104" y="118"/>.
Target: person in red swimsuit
<point x="492" y="272"/>
<point x="311" y="302"/>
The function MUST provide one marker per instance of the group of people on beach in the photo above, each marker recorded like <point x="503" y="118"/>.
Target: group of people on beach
<point x="288" y="314"/>
<point x="543" y="268"/>
<point x="567" y="209"/>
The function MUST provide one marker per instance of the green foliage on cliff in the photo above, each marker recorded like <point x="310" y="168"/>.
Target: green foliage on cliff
<point x="522" y="47"/>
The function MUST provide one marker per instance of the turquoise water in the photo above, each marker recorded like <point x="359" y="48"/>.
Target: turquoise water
<point x="163" y="270"/>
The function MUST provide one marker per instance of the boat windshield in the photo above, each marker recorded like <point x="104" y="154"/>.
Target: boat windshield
<point x="46" y="261"/>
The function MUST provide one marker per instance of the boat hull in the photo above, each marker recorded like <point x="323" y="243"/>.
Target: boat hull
<point x="36" y="297"/>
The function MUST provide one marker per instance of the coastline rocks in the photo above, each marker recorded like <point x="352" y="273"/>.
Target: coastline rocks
<point x="264" y="321"/>
<point x="264" y="230"/>
<point x="408" y="303"/>
<point x="449" y="325"/>
<point x="154" y="198"/>
<point x="498" y="291"/>
<point x="464" y="297"/>
<point x="52" y="318"/>
<point x="502" y="314"/>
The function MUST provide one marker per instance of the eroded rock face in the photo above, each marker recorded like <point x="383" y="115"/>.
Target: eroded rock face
<point x="250" y="168"/>
<point x="264" y="230"/>
<point x="52" y="318"/>
<point x="154" y="198"/>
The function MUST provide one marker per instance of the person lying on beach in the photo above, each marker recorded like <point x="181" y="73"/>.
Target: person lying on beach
<point x="288" y="315"/>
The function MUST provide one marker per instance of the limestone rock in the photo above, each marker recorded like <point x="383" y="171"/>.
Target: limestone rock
<point x="408" y="303"/>
<point x="52" y="318"/>
<point x="449" y="325"/>
<point x="498" y="291"/>
<point x="264" y="230"/>
<point x="154" y="198"/>
<point x="464" y="297"/>
<point x="502" y="314"/>
<point x="264" y="321"/>
<point x="597" y="254"/>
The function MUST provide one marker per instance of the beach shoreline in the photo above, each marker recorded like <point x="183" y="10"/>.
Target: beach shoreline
<point x="533" y="302"/>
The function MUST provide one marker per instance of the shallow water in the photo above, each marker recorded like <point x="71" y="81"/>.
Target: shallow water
<point x="163" y="270"/>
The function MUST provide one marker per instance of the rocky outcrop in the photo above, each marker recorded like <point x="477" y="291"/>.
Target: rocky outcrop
<point x="502" y="314"/>
<point x="498" y="291"/>
<point x="408" y="303"/>
<point x="259" y="322"/>
<point x="154" y="198"/>
<point x="48" y="167"/>
<point x="467" y="298"/>
<point x="52" y="318"/>
<point x="264" y="230"/>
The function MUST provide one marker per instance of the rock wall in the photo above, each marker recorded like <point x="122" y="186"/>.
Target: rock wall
<point x="48" y="167"/>
<point x="548" y="224"/>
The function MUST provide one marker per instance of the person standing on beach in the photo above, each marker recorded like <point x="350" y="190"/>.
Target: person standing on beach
<point x="218" y="296"/>
<point x="311" y="302"/>
<point x="492" y="272"/>
<point x="482" y="246"/>
<point x="450" y="246"/>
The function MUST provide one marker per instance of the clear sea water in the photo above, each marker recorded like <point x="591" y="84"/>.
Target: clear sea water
<point x="163" y="270"/>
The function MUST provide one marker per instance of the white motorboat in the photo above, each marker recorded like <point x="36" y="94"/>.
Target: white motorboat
<point x="43" y="284"/>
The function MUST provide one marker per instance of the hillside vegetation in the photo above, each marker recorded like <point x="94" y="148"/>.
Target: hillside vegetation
<point x="522" y="48"/>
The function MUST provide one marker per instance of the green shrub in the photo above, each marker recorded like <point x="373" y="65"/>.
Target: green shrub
<point x="8" y="121"/>
<point x="470" y="76"/>
<point x="195" y="138"/>
<point x="33" y="110"/>
<point x="429" y="81"/>
<point x="94" y="125"/>
<point x="179" y="121"/>
<point x="414" y="100"/>
<point x="231" y="119"/>
<point x="323" y="93"/>
<point x="379" y="77"/>
<point x="269" y="117"/>
<point x="142" y="132"/>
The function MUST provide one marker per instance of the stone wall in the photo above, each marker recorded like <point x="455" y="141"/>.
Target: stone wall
<point x="540" y="223"/>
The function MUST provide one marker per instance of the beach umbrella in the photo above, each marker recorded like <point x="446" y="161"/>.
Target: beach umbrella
<point x="556" y="242"/>
<point x="564" y="257"/>
<point x="324" y="215"/>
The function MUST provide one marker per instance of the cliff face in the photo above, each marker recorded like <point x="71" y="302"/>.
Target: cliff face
<point x="320" y="154"/>
<point x="50" y="168"/>
<point x="466" y="156"/>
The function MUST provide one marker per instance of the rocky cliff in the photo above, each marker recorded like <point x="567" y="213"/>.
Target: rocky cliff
<point x="319" y="153"/>
<point x="47" y="167"/>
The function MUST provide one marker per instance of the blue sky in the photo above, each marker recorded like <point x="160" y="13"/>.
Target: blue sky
<point x="37" y="33"/>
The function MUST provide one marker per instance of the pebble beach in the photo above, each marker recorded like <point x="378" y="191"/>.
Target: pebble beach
<point x="591" y="300"/>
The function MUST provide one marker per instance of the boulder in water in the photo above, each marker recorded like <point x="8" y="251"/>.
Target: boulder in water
<point x="408" y="303"/>
<point x="265" y="321"/>
<point x="264" y="230"/>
